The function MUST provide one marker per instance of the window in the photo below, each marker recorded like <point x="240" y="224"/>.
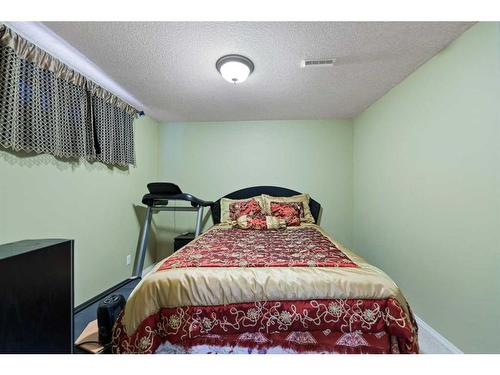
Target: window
<point x="45" y="107"/>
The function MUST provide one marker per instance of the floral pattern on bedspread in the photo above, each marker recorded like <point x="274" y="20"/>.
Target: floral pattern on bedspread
<point x="313" y="342"/>
<point x="300" y="247"/>
<point x="348" y="325"/>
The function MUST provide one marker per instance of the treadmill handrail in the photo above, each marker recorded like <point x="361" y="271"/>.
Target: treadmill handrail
<point x="150" y="199"/>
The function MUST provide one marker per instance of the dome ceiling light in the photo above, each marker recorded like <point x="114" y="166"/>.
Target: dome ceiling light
<point x="234" y="68"/>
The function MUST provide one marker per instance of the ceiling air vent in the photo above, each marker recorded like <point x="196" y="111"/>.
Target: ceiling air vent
<point x="316" y="63"/>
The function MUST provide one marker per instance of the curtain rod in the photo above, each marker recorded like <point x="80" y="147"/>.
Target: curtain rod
<point x="44" y="38"/>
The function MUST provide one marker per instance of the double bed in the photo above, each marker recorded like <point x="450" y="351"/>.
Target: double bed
<point x="288" y="290"/>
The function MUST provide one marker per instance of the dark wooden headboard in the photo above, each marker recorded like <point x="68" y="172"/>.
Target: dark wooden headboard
<point x="274" y="191"/>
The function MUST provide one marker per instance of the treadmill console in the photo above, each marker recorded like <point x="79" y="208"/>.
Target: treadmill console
<point x="165" y="188"/>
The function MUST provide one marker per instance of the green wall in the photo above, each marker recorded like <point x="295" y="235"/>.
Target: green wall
<point x="43" y="197"/>
<point x="215" y="158"/>
<point x="426" y="189"/>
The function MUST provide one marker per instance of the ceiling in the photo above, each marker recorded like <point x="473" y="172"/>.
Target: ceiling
<point x="170" y="66"/>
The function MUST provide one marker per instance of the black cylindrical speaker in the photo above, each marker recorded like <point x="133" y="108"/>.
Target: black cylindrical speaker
<point x="107" y="313"/>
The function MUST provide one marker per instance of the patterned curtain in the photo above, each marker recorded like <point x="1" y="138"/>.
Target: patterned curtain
<point x="114" y="133"/>
<point x="45" y="107"/>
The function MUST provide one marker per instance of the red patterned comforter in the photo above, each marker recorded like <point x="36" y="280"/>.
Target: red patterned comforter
<point x="260" y="248"/>
<point x="290" y="324"/>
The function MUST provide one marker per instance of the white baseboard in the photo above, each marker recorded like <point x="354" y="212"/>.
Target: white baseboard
<point x="147" y="270"/>
<point x="432" y="342"/>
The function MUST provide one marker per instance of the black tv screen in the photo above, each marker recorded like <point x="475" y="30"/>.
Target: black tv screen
<point x="36" y="297"/>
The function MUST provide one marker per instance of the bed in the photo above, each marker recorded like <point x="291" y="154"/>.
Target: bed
<point x="292" y="290"/>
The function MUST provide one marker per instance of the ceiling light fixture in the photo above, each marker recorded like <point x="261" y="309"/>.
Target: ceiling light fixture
<point x="234" y="68"/>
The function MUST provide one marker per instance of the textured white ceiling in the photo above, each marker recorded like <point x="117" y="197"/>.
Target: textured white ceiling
<point x="170" y="66"/>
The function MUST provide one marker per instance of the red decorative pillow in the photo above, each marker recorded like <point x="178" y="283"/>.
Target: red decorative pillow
<point x="291" y="212"/>
<point x="249" y="207"/>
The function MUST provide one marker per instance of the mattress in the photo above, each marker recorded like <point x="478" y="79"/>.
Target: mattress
<point x="295" y="290"/>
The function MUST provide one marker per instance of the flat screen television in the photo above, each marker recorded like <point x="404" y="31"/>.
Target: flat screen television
<point x="36" y="296"/>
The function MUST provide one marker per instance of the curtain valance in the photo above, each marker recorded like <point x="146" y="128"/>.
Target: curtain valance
<point x="46" y="107"/>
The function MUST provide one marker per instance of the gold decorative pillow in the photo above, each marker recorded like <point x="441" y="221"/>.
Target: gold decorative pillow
<point x="306" y="216"/>
<point x="273" y="222"/>
<point x="231" y="209"/>
<point x="259" y="222"/>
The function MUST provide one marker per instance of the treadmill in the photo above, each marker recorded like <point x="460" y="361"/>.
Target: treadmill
<point x="158" y="198"/>
<point x="160" y="193"/>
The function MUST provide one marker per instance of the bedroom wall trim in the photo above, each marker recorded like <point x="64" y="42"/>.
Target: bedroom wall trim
<point x="432" y="342"/>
